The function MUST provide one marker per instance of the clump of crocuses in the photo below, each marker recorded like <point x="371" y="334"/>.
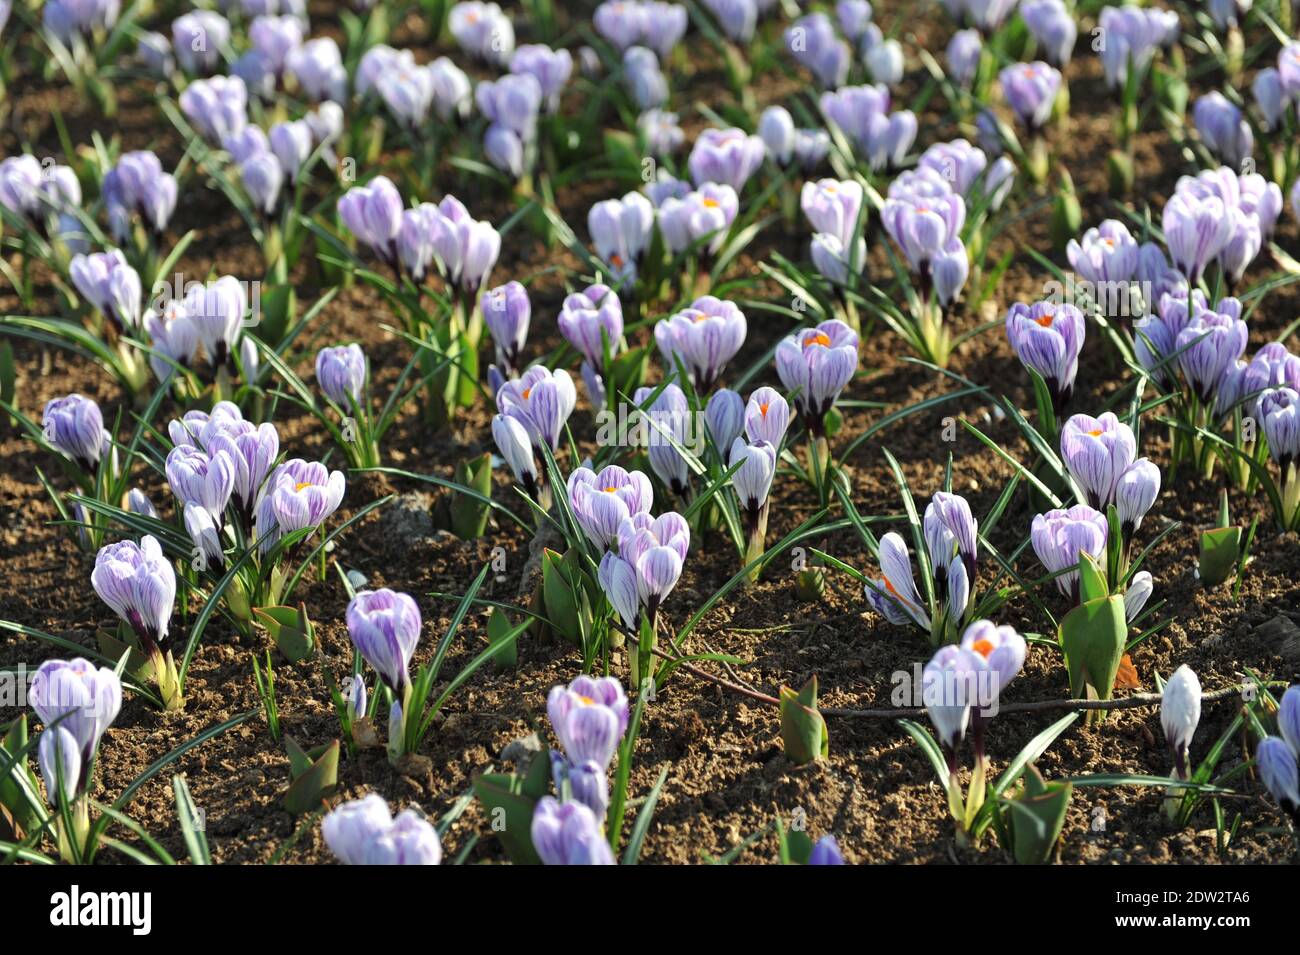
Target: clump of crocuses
<point x="589" y="718"/>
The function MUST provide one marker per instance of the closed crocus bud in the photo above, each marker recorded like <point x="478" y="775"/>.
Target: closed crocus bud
<point x="1269" y="96"/>
<point x="950" y="529"/>
<point x="350" y="828"/>
<point x="253" y="449"/>
<point x="504" y="150"/>
<point x="894" y="595"/>
<point x="385" y="628"/>
<point x="724" y="415"/>
<point x="82" y="698"/>
<point x="963" y="56"/>
<point x="776" y="129"/>
<point x="60" y="763"/>
<point x="1279" y="413"/>
<point x="453" y="97"/>
<point x="20" y="185"/>
<point x="1060" y="536"/>
<point x="814" y="365"/>
<point x="1096" y="451"/>
<point x="884" y="61"/>
<point x="767" y="416"/>
<point x="74" y="426"/>
<point x="482" y="30"/>
<point x="1223" y="128"/>
<point x="661" y="131"/>
<point x="356" y="697"/>
<point x="373" y="213"/>
<point x="949" y="270"/>
<point x="568" y="834"/>
<point x="831" y="259"/>
<point x="262" y="177"/>
<point x="663" y="26"/>
<point x="1276" y="762"/>
<point x="958" y="163"/>
<point x="1288" y="717"/>
<point x="275" y="38"/>
<point x="292" y="145"/>
<point x="201" y="480"/>
<point x="811" y="147"/>
<point x="1047" y="338"/>
<point x="704" y="337"/>
<point x="1135" y="492"/>
<point x="737" y="18"/>
<point x="645" y="81"/>
<point x="516" y="450"/>
<point x="1053" y="28"/>
<point x="621" y="22"/>
<point x="753" y="480"/>
<point x="154" y="51"/>
<point x="317" y="67"/>
<point x="826" y="851"/>
<point x="617" y="578"/>
<point x="139" y="584"/>
<point x="728" y="156"/>
<point x="341" y="374"/>
<point x="588" y="784"/>
<point x="833" y="207"/>
<point x="513" y="102"/>
<point x="602" y="501"/>
<point x="203" y="533"/>
<point x="923" y="225"/>
<point x="107" y="282"/>
<point x="1137" y="594"/>
<point x="198" y="38"/>
<point x="217" y="107"/>
<point x="217" y="310"/>
<point x="304" y="494"/>
<point x="1003" y="651"/>
<point x="410" y="840"/>
<point x="1180" y="712"/>
<point x="665" y="424"/>
<point x="137" y="502"/>
<point x="1107" y="254"/>
<point x="506" y="312"/>
<point x="1030" y="90"/>
<point x="658" y="571"/>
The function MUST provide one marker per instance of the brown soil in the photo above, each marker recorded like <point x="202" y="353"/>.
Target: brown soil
<point x="727" y="774"/>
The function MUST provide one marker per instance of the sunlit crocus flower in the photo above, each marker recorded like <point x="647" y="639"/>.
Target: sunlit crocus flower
<point x="591" y="320"/>
<point x="385" y="628"/>
<point x="894" y="596"/>
<point x="1197" y="228"/>
<point x="704" y="337"/>
<point x="815" y="364"/>
<point x="1133" y="34"/>
<point x="667" y="423"/>
<point x="139" y="584"/>
<point x="341" y="373"/>
<point x="107" y="282"/>
<point x="137" y="185"/>
<point x="661" y="131"/>
<point x="602" y="501"/>
<point x="776" y="129"/>
<point x="303" y="494"/>
<point x="74" y="426"/>
<point x="373" y="213"/>
<point x="1053" y="28"/>
<point x="1096" y="451"/>
<point x="621" y="22"/>
<point x="1180" y="712"/>
<point x="724" y="415"/>
<point x="550" y="68"/>
<point x="542" y="401"/>
<point x="767" y="416"/>
<point x="1276" y="761"/>
<point x="814" y="44"/>
<point x="506" y="312"/>
<point x="833" y="207"/>
<point x="83" y="700"/>
<point x="1223" y="128"/>
<point x="1060" y="536"/>
<point x="482" y="30"/>
<point x="363" y="832"/>
<point x="1030" y="90"/>
<point x="1108" y="253"/>
<point x="467" y="248"/>
<point x="200" y="479"/>
<point x="728" y="156"/>
<point x="589" y="718"/>
<point x="1047" y="338"/>
<point x="198" y="38"/>
<point x="516" y="449"/>
<point x="707" y="212"/>
<point x="963" y="56"/>
<point x="568" y="834"/>
<point x="274" y="38"/>
<point x="620" y="229"/>
<point x="317" y="67"/>
<point x="217" y="107"/>
<point x="862" y="113"/>
<point x="1135" y="492"/>
<point x="262" y="177"/>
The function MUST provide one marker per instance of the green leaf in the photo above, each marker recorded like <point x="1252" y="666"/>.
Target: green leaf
<point x="1092" y="579"/>
<point x="1093" y="636"/>
<point x="803" y="728"/>
<point x="290" y="629"/>
<point x="1220" y="550"/>
<point x="1035" y="817"/>
<point x="314" y="783"/>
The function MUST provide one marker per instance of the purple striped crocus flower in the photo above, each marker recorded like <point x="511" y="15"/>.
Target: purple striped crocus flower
<point x="602" y="501"/>
<point x="704" y="337"/>
<point x="385" y="627"/>
<point x="139" y="584"/>
<point x="1060" y="536"/>
<point x="1096" y="452"/>
<point x="1048" y="338"/>
<point x="815" y="364"/>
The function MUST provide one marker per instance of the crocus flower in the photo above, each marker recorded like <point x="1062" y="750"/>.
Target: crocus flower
<point x="737" y="18"/>
<point x="385" y="627"/>
<point x="1209" y="344"/>
<point x="833" y="207"/>
<point x="550" y="68"/>
<point x="516" y="449"/>
<point x="1180" y="712"/>
<point x="349" y="828"/>
<point x="1003" y="651"/>
<point x="617" y="578"/>
<point x="591" y="318"/>
<point x="724" y="415"/>
<point x="1133" y="34"/>
<point x="727" y="156"/>
<point x="373" y="213"/>
<point x="1030" y="90"/>
<point x="466" y="248"/>
<point x="814" y="44"/>
<point x="1096" y="451"/>
<point x="482" y="30"/>
<point x="620" y="22"/>
<point x="923" y="225"/>
<point x="949" y="688"/>
<point x="661" y="132"/>
<point x="198" y="38"/>
<point x="262" y="177"/>
<point x="292" y="145"/>
<point x="708" y="212"/>
<point x="341" y="373"/>
<point x="139" y="584"/>
<point x="811" y="147"/>
<point x="767" y="416"/>
<point x="542" y="401"/>
<point x="274" y="38"/>
<point x="137" y="502"/>
<point x="204" y="535"/>
<point x="137" y="185"/>
<point x="61" y="764"/>
<point x="601" y="502"/>
<point x="217" y="310"/>
<point x="1047" y="338"/>
<point x="957" y="162"/>
<point x="154" y="51"/>
<point x="776" y="129"/>
<point x="513" y="102"/>
<point x="880" y="137"/>
<point x="951" y="532"/>
<point x="253" y="450"/>
<point x="568" y="834"/>
<point x="662" y="26"/>
<point x="1288" y="717"/>
<point x="200" y="479"/>
<point x="826" y="851"/>
<point x="894" y="596"/>
<point x="317" y="67"/>
<point x="1269" y="96"/>
<point x="963" y="56"/>
<point x="1108" y="254"/>
<point x="1279" y="414"/>
<point x="1277" y="764"/>
<point x="1136" y="595"/>
<point x="1060" y="536"/>
<point x="620" y="229"/>
<point x="74" y="426"/>
<point x="704" y="337"/>
<point x="453" y="96"/>
<point x="217" y="107"/>
<point x="589" y="718"/>
<point x="506" y="312"/>
<point x="411" y="840"/>
<point x="1053" y="28"/>
<point x="1135" y="492"/>
<point x="753" y="480"/>
<point x="666" y="423"/>
<point x="644" y="79"/>
<point x="107" y="282"/>
<point x="1223" y="128"/>
<point x="1196" y="228"/>
<point x="303" y="494"/>
<point x="815" y="364"/>
<point x="84" y="700"/>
